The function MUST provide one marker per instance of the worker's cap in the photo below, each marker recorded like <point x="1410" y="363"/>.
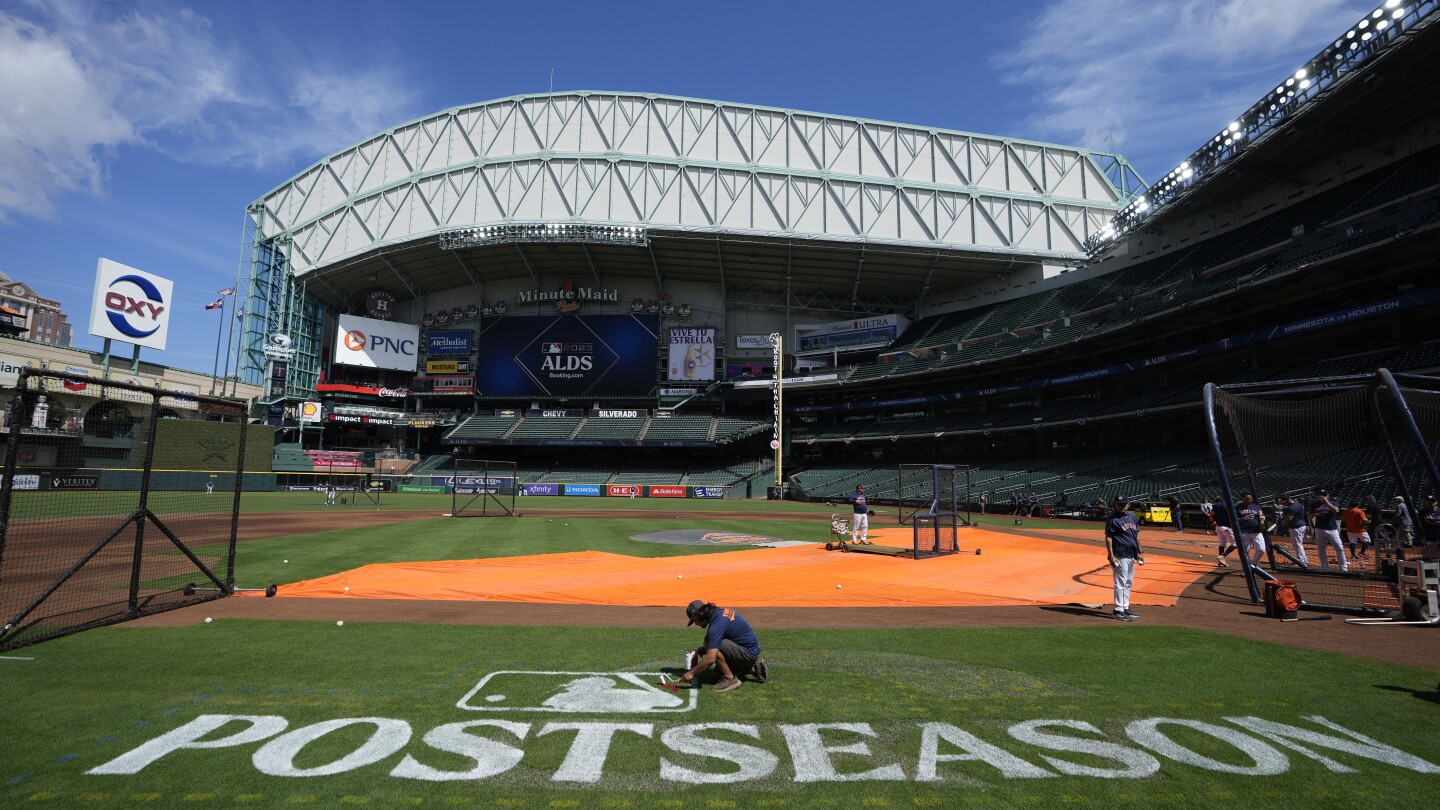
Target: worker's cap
<point x="695" y="611"/>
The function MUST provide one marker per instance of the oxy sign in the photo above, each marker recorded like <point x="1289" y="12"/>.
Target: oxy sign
<point x="131" y="305"/>
<point x="376" y="344"/>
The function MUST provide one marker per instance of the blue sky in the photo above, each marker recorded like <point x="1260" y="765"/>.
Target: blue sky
<point x="139" y="131"/>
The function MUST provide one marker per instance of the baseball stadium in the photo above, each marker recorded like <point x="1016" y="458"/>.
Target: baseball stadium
<point x="992" y="473"/>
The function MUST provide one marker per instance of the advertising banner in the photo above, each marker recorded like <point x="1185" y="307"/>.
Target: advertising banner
<point x="26" y="482"/>
<point x="376" y="344"/>
<point x="623" y="491"/>
<point x="592" y="490"/>
<point x="131" y="305"/>
<point x="448" y="343"/>
<point x="692" y="353"/>
<point x="309" y="412"/>
<point x="75" y="482"/>
<point x="539" y="489"/>
<point x="421" y="488"/>
<point x="476" y="484"/>
<point x="569" y="355"/>
<point x="447" y="366"/>
<point x="758" y="343"/>
<point x="667" y="491"/>
<point x="707" y="492"/>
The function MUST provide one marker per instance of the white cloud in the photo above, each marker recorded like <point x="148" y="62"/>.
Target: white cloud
<point x="79" y="79"/>
<point x="1151" y="79"/>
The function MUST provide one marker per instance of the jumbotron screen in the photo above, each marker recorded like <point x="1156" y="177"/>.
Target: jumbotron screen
<point x="569" y="355"/>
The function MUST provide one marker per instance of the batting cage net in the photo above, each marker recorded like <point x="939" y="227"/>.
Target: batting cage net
<point x="482" y="488"/>
<point x="933" y="489"/>
<point x="1329" y="462"/>
<point x="936" y="534"/>
<point x="116" y="508"/>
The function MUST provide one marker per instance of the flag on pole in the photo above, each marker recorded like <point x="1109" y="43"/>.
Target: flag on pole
<point x="240" y="314"/>
<point x="226" y="291"/>
<point x="215" y="304"/>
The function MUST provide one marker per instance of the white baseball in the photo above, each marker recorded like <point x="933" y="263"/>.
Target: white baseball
<point x="287" y="561"/>
<point x="347" y="589"/>
<point x="679" y="576"/>
<point x="340" y="623"/>
<point x="838" y="585"/>
<point x="208" y="620"/>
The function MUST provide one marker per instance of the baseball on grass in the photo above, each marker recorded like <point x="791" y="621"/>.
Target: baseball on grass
<point x="340" y="623"/>
<point x="208" y="620"/>
<point x="287" y="561"/>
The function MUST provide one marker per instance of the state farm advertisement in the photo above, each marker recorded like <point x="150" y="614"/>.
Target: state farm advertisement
<point x="667" y="492"/>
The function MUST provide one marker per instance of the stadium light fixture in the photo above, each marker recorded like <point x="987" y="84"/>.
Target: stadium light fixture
<point x="545" y="232"/>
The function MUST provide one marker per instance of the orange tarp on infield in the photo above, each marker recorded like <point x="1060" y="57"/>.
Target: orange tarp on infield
<point x="1009" y="571"/>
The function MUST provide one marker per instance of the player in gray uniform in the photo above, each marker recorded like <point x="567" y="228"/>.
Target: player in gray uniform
<point x="1326" y="517"/>
<point x="1250" y="520"/>
<point x="1122" y="544"/>
<point x="1294" y="521"/>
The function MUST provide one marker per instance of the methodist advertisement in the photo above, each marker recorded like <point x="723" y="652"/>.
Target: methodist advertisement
<point x="692" y="353"/>
<point x="131" y="305"/>
<point x="572" y="355"/>
<point x="376" y="344"/>
<point x="448" y="343"/>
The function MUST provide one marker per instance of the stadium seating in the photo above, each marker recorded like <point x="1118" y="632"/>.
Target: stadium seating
<point x="483" y="426"/>
<point x="611" y="428"/>
<point x="542" y="428"/>
<point x="680" y="427"/>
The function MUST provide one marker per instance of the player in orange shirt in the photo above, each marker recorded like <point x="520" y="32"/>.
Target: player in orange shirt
<point x="1355" y="528"/>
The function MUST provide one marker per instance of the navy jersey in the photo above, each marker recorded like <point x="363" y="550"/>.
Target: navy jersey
<point x="1326" y="516"/>
<point x="1123" y="529"/>
<point x="1252" y="518"/>
<point x="859" y="500"/>
<point x="1430" y="524"/>
<point x="1220" y="514"/>
<point x="726" y="623"/>
<point x="1295" y="513"/>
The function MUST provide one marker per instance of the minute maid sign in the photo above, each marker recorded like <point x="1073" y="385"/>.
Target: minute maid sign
<point x="637" y="713"/>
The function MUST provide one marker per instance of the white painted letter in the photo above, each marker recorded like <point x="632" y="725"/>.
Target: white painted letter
<point x="1358" y="745"/>
<point x="585" y="761"/>
<point x="976" y="750"/>
<point x="1137" y="764"/>
<point x="491" y="757"/>
<point x="188" y="736"/>
<point x="277" y="757"/>
<point x="811" y="755"/>
<point x="755" y="763"/>
<point x="1268" y="761"/>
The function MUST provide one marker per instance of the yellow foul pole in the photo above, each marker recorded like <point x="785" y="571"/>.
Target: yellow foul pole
<point x="777" y="390"/>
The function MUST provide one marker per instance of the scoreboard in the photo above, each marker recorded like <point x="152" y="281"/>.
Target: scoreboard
<point x="570" y="355"/>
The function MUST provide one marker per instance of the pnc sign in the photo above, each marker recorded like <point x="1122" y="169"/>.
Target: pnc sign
<point x="131" y="305"/>
<point x="376" y="344"/>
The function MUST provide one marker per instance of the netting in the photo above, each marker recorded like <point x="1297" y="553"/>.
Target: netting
<point x="933" y="488"/>
<point x="1309" y="456"/>
<point x="936" y="534"/>
<point x="109" y="509"/>
<point x="482" y="488"/>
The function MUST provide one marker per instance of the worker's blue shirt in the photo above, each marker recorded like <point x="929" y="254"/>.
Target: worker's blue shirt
<point x="726" y="623"/>
<point x="1124" y="532"/>
<point x="860" y="506"/>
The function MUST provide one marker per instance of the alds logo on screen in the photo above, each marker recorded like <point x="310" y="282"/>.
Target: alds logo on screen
<point x="566" y="356"/>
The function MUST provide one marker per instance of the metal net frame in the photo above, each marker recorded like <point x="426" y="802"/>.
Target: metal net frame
<point x="1356" y="439"/>
<point x="934" y="489"/>
<point x="483" y="488"/>
<point x="114" y="509"/>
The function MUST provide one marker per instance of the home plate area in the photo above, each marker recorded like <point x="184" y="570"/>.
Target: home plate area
<point x="705" y="537"/>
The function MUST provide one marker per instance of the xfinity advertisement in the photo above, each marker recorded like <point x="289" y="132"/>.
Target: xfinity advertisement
<point x="572" y="355"/>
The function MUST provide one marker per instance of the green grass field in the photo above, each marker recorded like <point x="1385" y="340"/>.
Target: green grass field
<point x="258" y="713"/>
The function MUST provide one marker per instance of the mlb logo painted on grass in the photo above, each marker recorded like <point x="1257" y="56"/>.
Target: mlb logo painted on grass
<point x="576" y="692"/>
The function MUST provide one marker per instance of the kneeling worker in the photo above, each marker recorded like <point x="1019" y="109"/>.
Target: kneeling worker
<point x="730" y="644"/>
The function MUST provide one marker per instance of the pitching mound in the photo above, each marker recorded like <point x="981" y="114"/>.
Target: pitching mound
<point x="704" y="537"/>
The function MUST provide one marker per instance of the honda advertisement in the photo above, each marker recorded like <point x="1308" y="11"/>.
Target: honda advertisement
<point x="570" y="355"/>
<point x="592" y="490"/>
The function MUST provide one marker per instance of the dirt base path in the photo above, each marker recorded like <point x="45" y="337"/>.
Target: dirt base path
<point x="1217" y="602"/>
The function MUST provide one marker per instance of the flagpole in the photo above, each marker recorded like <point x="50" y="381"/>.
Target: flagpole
<point x="219" y="330"/>
<point x="230" y="345"/>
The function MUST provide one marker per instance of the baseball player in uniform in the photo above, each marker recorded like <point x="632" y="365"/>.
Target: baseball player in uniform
<point x="1357" y="529"/>
<point x="1219" y="515"/>
<point x="1250" y="520"/>
<point x="209" y="487"/>
<point x="1122" y="544"/>
<point x="860" y="523"/>
<point x="1294" y="521"/>
<point x="330" y="495"/>
<point x="1326" y="516"/>
<point x="1429" y="514"/>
